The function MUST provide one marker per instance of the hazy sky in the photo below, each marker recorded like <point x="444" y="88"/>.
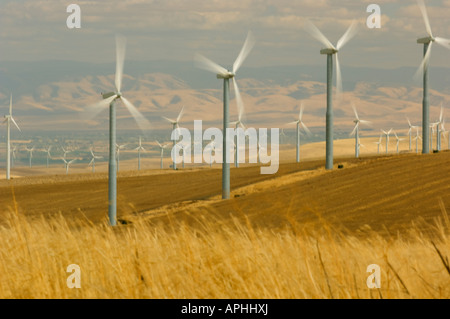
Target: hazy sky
<point x="33" y="30"/>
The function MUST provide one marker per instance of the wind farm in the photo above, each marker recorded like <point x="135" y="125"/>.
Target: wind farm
<point x="132" y="160"/>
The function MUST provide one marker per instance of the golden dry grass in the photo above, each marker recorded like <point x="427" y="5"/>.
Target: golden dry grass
<point x="235" y="260"/>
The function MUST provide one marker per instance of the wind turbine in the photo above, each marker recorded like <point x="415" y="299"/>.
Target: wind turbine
<point x="427" y="44"/>
<point x="8" y="119"/>
<point x="331" y="50"/>
<point x="31" y="153"/>
<point x="438" y="128"/>
<point x="226" y="75"/>
<point x="65" y="151"/>
<point x="387" y="138"/>
<point x="67" y="164"/>
<point x="355" y="131"/>
<point x="398" y="141"/>
<point x="411" y="127"/>
<point x="162" y="148"/>
<point x="175" y="126"/>
<point x="110" y="99"/>
<point x="417" y="140"/>
<point x="259" y="152"/>
<point x="139" y="149"/>
<point x="49" y="156"/>
<point x="238" y="124"/>
<point x="211" y="146"/>
<point x="92" y="162"/>
<point x="299" y="122"/>
<point x="118" y="148"/>
<point x="379" y="143"/>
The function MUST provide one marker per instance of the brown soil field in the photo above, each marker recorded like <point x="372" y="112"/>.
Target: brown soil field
<point x="385" y="194"/>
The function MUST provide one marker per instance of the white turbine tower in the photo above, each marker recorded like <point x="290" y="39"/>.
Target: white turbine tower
<point x="226" y="75"/>
<point x="110" y="99"/>
<point x="30" y="150"/>
<point x="299" y="122"/>
<point x="92" y="162"/>
<point x="355" y="131"/>
<point x="8" y="119"/>
<point x="139" y="149"/>
<point x="427" y="44"/>
<point x="162" y="148"/>
<point x="398" y="141"/>
<point x="438" y="128"/>
<point x="331" y="50"/>
<point x="387" y="138"/>
<point x="67" y="164"/>
<point x="175" y="128"/>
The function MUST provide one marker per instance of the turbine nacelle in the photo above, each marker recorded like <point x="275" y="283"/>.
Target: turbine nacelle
<point x="108" y="95"/>
<point x="426" y="40"/>
<point x="329" y="51"/>
<point x="228" y="75"/>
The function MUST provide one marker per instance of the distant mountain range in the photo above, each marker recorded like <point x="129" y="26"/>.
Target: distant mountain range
<point x="52" y="95"/>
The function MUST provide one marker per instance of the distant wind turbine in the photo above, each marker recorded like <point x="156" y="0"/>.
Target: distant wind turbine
<point x="387" y="138"/>
<point x="118" y="148"/>
<point x="411" y="127"/>
<point x="417" y="140"/>
<point x="398" y="141"/>
<point x="92" y="162"/>
<point x="175" y="126"/>
<point x="139" y="149"/>
<point x="67" y="164"/>
<point x="379" y="143"/>
<point x="299" y="122"/>
<point x="8" y="119"/>
<point x="30" y="150"/>
<point x="162" y="148"/>
<point x="355" y="131"/>
<point x="49" y="156"/>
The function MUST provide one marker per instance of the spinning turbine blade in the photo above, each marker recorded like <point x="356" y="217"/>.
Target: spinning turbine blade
<point x="425" y="62"/>
<point x="248" y="45"/>
<point x="354" y="130"/>
<point x="180" y="115"/>
<point x="444" y="42"/>
<point x="142" y="122"/>
<point x="12" y="119"/>
<point x="94" y="109"/>
<point x="10" y="105"/>
<point x="354" y="110"/>
<point x="312" y="29"/>
<point x="348" y="35"/>
<point x="169" y="120"/>
<point x="208" y="65"/>
<point x="306" y="129"/>
<point x="423" y="9"/>
<point x="120" y="57"/>
<point x="239" y="102"/>
<point x="300" y="115"/>
<point x="338" y="76"/>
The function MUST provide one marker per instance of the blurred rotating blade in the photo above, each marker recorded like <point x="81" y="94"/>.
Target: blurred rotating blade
<point x="239" y="102"/>
<point x="94" y="109"/>
<point x="425" y="62"/>
<point x="312" y="29"/>
<point x="248" y="46"/>
<point x="354" y="130"/>
<point x="12" y="119"/>
<point x="208" y="65"/>
<point x="348" y="35"/>
<point x="444" y="42"/>
<point x="121" y="43"/>
<point x="423" y="9"/>
<point x="180" y="115"/>
<point x="338" y="77"/>
<point x="141" y="121"/>
<point x="308" y="132"/>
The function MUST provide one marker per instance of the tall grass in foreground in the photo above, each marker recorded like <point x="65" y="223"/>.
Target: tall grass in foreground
<point x="232" y="260"/>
